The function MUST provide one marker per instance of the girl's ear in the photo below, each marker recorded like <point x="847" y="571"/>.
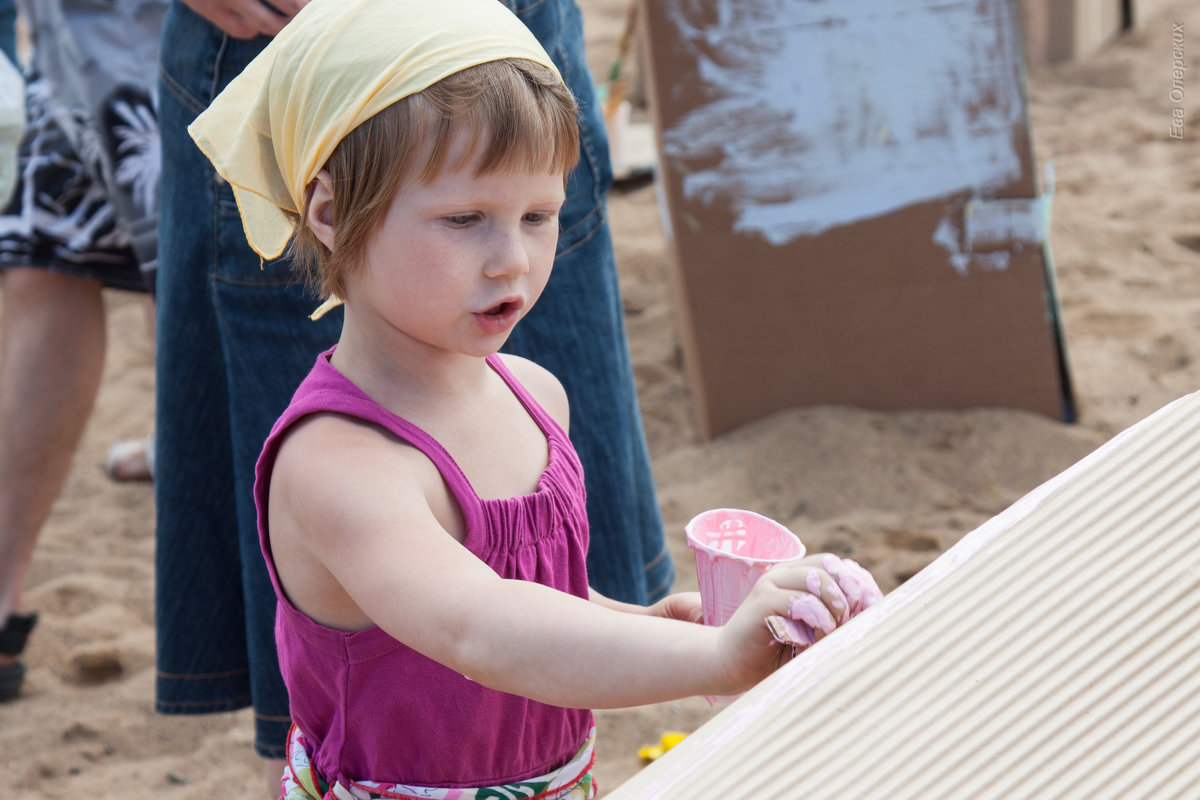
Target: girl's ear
<point x="319" y="214"/>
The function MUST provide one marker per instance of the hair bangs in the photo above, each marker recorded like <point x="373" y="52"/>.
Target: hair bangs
<point x="517" y="116"/>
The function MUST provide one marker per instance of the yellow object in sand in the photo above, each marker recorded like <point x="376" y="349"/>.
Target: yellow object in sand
<point x="666" y="742"/>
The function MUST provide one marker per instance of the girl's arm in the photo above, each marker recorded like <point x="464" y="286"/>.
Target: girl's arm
<point x="683" y="606"/>
<point x="354" y="531"/>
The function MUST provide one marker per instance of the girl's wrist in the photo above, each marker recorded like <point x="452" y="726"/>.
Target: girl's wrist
<point x="729" y="668"/>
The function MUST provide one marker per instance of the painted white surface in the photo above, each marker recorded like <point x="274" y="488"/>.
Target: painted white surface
<point x="822" y="113"/>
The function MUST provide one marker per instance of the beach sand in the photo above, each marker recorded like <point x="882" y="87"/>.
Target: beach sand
<point x="891" y="490"/>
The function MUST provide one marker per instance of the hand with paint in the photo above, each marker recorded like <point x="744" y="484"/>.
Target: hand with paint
<point x="803" y="594"/>
<point x="807" y="620"/>
<point x="857" y="583"/>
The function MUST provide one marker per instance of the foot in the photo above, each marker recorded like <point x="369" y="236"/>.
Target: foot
<point x="13" y="636"/>
<point x="131" y="460"/>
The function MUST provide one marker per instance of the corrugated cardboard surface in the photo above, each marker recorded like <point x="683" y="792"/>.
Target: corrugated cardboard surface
<point x="818" y="161"/>
<point x="1053" y="653"/>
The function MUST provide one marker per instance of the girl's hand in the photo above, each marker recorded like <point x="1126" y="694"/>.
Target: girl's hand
<point x="806" y="619"/>
<point x="683" y="606"/>
<point x="802" y="589"/>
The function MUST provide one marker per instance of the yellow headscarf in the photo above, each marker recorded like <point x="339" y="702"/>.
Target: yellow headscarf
<point x="335" y="65"/>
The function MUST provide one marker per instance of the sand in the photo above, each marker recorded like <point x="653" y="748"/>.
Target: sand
<point x="891" y="490"/>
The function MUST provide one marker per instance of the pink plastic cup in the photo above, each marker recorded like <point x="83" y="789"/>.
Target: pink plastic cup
<point x="733" y="549"/>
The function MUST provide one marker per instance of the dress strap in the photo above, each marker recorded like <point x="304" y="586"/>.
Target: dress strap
<point x="328" y="390"/>
<point x="547" y="423"/>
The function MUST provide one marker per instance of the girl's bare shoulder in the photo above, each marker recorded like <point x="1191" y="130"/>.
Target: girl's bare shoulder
<point x="328" y="457"/>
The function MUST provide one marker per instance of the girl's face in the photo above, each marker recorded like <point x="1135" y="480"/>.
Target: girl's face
<point x="458" y="262"/>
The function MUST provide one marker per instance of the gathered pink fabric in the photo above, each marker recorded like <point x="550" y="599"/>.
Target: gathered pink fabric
<point x="372" y="708"/>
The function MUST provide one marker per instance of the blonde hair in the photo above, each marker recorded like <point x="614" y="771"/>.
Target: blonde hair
<point x="517" y="114"/>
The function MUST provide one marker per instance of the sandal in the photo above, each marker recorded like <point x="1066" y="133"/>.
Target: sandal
<point x="13" y="636"/>
<point x="131" y="460"/>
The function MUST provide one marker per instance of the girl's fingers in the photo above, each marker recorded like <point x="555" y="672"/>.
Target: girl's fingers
<point x="868" y="588"/>
<point x="855" y="582"/>
<point x="806" y="578"/>
<point x="820" y="583"/>
<point x="809" y="609"/>
<point x="684" y="606"/>
<point x="835" y="567"/>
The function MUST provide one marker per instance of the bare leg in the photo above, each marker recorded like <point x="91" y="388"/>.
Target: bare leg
<point x="273" y="770"/>
<point x="133" y="459"/>
<point x="52" y="342"/>
<point x="148" y="310"/>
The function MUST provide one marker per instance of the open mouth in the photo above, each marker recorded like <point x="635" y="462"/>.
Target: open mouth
<point x="501" y="316"/>
<point x="500" y="308"/>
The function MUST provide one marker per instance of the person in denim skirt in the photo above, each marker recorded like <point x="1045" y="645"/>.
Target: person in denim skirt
<point x="234" y="341"/>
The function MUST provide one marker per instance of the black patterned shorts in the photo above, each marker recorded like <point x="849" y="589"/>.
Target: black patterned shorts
<point x="64" y="214"/>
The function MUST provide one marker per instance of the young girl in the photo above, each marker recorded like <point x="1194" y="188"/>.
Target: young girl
<point x="421" y="509"/>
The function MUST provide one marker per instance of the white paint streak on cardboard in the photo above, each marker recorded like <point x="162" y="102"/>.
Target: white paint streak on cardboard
<point x="964" y="258"/>
<point x="948" y="237"/>
<point x="990" y="229"/>
<point x="1001" y="222"/>
<point x="819" y="114"/>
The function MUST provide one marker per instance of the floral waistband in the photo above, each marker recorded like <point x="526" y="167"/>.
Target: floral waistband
<point x="571" y="781"/>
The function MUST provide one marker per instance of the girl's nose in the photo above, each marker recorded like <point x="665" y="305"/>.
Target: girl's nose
<point x="509" y="257"/>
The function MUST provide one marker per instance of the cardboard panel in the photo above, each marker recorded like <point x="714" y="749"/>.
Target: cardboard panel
<point x="1010" y="667"/>
<point x="831" y="176"/>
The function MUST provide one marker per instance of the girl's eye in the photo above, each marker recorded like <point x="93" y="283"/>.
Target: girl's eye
<point x="460" y="220"/>
<point x="538" y="217"/>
